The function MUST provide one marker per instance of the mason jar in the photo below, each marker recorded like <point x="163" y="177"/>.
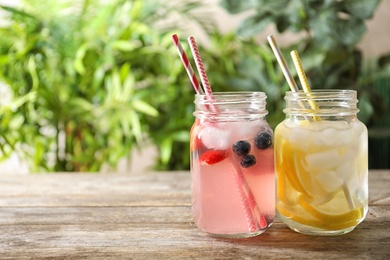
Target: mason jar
<point x="232" y="165"/>
<point x="321" y="163"/>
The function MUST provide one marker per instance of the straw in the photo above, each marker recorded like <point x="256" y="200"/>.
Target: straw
<point x="259" y="218"/>
<point x="304" y="82"/>
<point x="202" y="71"/>
<point x="187" y="64"/>
<point x="200" y="66"/>
<point x="314" y="106"/>
<point x="348" y="196"/>
<point x="286" y="72"/>
<point x="245" y="204"/>
<point x="283" y="64"/>
<point x="255" y="219"/>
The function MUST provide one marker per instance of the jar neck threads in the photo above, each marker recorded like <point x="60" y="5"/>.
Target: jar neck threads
<point x="231" y="106"/>
<point x="323" y="103"/>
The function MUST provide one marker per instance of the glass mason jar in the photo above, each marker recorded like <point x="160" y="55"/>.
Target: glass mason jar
<point x="232" y="165"/>
<point x="321" y="160"/>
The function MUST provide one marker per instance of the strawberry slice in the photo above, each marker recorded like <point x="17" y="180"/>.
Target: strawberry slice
<point x="213" y="156"/>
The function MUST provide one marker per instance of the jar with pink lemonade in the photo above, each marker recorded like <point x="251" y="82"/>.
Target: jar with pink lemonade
<point x="232" y="165"/>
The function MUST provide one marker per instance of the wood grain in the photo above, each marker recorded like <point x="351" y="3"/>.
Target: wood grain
<point x="147" y="216"/>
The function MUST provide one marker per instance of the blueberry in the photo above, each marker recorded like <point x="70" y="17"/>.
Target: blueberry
<point x="241" y="147"/>
<point x="263" y="140"/>
<point x="248" y="161"/>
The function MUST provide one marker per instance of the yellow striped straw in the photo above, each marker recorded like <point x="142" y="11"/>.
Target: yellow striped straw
<point x="304" y="82"/>
<point x="314" y="106"/>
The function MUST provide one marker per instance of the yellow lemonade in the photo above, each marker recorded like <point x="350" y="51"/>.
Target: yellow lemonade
<point x="322" y="172"/>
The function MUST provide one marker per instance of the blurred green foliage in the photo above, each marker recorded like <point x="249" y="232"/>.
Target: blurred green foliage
<point x="92" y="80"/>
<point x="89" y="80"/>
<point x="330" y="31"/>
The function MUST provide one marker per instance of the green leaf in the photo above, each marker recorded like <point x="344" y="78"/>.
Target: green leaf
<point x="181" y="136"/>
<point x="125" y="123"/>
<point x="136" y="127"/>
<point x="18" y="102"/>
<point x="349" y="32"/>
<point x="128" y="86"/>
<point x="136" y="9"/>
<point x="78" y="62"/>
<point x="362" y="9"/>
<point x="98" y="76"/>
<point x="365" y="107"/>
<point x="16" y="11"/>
<point x="33" y="72"/>
<point x="144" y="107"/>
<point x="116" y="88"/>
<point x="124" y="71"/>
<point x="165" y="150"/>
<point x="78" y="105"/>
<point x="4" y="59"/>
<point x="16" y="122"/>
<point x="313" y="58"/>
<point x="276" y="7"/>
<point x="38" y="151"/>
<point x="124" y="45"/>
<point x="235" y="7"/>
<point x="254" y="25"/>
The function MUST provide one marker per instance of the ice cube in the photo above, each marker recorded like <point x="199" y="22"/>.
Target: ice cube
<point x="358" y="128"/>
<point x="246" y="130"/>
<point x="300" y="139"/>
<point x="323" y="160"/>
<point x="333" y="137"/>
<point x="215" y="138"/>
<point x="329" y="181"/>
<point x="345" y="169"/>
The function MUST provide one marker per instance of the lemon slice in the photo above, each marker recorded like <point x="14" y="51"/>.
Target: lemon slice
<point x="336" y="212"/>
<point x="297" y="214"/>
<point x="284" y="190"/>
<point x="312" y="189"/>
<point x="286" y="165"/>
<point x="288" y="171"/>
<point x="301" y="216"/>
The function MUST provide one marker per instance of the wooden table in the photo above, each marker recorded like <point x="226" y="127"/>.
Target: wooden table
<point x="148" y="216"/>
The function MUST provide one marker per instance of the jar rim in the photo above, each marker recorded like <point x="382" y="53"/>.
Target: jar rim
<point x="322" y="101"/>
<point x="236" y="93"/>
<point x="240" y="104"/>
<point x="326" y="92"/>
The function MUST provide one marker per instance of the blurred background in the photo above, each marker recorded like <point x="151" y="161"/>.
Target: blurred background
<point x="97" y="86"/>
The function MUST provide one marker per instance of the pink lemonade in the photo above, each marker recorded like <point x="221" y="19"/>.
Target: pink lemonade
<point x="233" y="185"/>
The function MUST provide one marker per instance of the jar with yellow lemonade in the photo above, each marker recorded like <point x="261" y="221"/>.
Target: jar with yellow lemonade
<point x="321" y="163"/>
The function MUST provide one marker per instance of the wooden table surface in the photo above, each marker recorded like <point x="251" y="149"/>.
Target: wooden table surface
<point x="95" y="216"/>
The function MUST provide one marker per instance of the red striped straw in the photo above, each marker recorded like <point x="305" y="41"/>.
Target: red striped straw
<point x="245" y="203"/>
<point x="201" y="70"/>
<point x="187" y="65"/>
<point x="255" y="219"/>
<point x="199" y="65"/>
